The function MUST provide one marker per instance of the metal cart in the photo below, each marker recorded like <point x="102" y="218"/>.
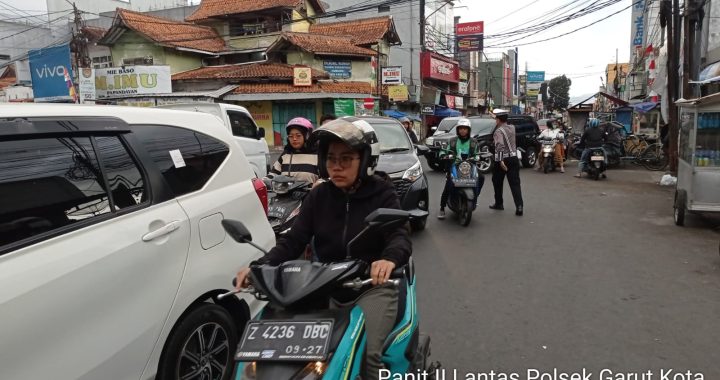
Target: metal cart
<point x="698" y="185"/>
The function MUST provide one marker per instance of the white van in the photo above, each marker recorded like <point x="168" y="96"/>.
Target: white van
<point x="239" y="121"/>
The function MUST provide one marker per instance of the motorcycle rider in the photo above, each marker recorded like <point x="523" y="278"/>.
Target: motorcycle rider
<point x="593" y="137"/>
<point x="298" y="159"/>
<point x="462" y="145"/>
<point x="405" y="121"/>
<point x="551" y="133"/>
<point x="334" y="212"/>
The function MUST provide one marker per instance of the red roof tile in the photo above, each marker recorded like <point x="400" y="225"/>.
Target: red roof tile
<point x="94" y="33"/>
<point x="8" y="77"/>
<point x="219" y="8"/>
<point x="247" y="71"/>
<point x="324" y="45"/>
<point x="363" y="32"/>
<point x="319" y="87"/>
<point x="173" y="33"/>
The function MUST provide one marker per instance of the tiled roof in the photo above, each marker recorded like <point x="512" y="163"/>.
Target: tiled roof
<point x="363" y="32"/>
<point x="319" y="87"/>
<point x="219" y="8"/>
<point x="94" y="33"/>
<point x="8" y="77"/>
<point x="173" y="33"/>
<point x="325" y="45"/>
<point x="248" y="71"/>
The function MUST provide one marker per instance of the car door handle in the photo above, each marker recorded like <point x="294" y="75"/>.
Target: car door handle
<point x="162" y="231"/>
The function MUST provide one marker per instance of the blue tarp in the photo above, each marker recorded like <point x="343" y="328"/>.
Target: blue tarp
<point x="394" y="113"/>
<point x="645" y="107"/>
<point x="446" y="112"/>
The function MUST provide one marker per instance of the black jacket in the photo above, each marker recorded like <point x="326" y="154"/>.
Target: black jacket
<point x="592" y="138"/>
<point x="333" y="218"/>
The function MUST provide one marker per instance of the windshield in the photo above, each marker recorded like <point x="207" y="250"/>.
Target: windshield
<point x="392" y="137"/>
<point x="479" y="126"/>
<point x="446" y="125"/>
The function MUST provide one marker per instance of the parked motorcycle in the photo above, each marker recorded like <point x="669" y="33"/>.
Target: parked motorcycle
<point x="598" y="163"/>
<point x="465" y="177"/>
<point x="286" y="196"/>
<point x="298" y="336"/>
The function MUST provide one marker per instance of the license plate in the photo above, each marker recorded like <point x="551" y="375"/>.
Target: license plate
<point x="276" y="211"/>
<point x="464" y="182"/>
<point x="285" y="340"/>
<point x="597" y="158"/>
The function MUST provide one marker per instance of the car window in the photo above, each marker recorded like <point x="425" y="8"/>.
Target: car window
<point x="242" y="125"/>
<point x="392" y="137"/>
<point x="186" y="159"/>
<point x="446" y="125"/>
<point x="50" y="183"/>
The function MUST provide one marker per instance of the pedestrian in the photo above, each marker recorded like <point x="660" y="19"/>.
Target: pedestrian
<point x="408" y="127"/>
<point x="506" y="162"/>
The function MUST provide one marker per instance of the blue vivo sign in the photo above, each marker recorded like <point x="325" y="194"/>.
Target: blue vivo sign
<point x="535" y="76"/>
<point x="47" y="70"/>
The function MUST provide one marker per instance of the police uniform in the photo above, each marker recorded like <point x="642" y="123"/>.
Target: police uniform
<point x="506" y="152"/>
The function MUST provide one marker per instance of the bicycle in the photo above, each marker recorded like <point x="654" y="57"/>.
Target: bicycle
<point x="653" y="157"/>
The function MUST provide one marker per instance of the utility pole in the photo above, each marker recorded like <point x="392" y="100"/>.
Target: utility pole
<point x="670" y="15"/>
<point x="79" y="40"/>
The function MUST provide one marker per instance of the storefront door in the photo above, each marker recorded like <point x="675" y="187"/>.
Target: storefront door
<point x="284" y="112"/>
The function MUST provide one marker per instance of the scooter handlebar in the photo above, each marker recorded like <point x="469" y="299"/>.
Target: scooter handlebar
<point x="358" y="283"/>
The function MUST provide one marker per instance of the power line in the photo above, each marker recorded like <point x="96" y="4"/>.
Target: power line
<point x="34" y="27"/>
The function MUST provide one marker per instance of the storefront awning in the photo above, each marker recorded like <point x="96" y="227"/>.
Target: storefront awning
<point x="446" y="112"/>
<point x="397" y="114"/>
<point x="645" y="107"/>
<point x="711" y="73"/>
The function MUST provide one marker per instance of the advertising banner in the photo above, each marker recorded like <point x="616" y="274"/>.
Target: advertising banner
<point x="535" y="76"/>
<point x="344" y="107"/>
<point x="47" y="70"/>
<point x="450" y="101"/>
<point x="470" y="43"/>
<point x="470" y="28"/>
<point x="439" y="69"/>
<point x="392" y="75"/>
<point x="117" y="82"/>
<point x="338" y="69"/>
<point x="398" y="93"/>
<point x="463" y="88"/>
<point x="86" y="83"/>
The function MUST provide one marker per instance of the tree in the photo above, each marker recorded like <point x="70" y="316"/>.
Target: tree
<point x="559" y="93"/>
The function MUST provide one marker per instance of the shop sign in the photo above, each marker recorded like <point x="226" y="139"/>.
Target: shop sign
<point x="86" y="83"/>
<point x="47" y="69"/>
<point x="450" y="101"/>
<point x="463" y="88"/>
<point x="344" y="107"/>
<point x="338" y="69"/>
<point x="470" y="28"/>
<point x="392" y="75"/>
<point x="302" y="77"/>
<point x="460" y="102"/>
<point x="398" y="93"/>
<point x="435" y="68"/>
<point x="132" y="80"/>
<point x="470" y="43"/>
<point x="428" y="109"/>
<point x="535" y="76"/>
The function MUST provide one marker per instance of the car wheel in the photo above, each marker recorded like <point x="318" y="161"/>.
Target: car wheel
<point x="418" y="225"/>
<point x="529" y="158"/>
<point x="434" y="165"/>
<point x="201" y="346"/>
<point x="680" y="207"/>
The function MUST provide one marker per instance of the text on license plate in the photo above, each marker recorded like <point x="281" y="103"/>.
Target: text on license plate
<point x="597" y="158"/>
<point x="285" y="340"/>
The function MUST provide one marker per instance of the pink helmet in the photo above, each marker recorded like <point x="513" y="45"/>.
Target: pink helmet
<point x="301" y="123"/>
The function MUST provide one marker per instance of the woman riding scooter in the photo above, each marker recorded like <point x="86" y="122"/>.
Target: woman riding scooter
<point x="552" y="133"/>
<point x="298" y="159"/>
<point x="335" y="211"/>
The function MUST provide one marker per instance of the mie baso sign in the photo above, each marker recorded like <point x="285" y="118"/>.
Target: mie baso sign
<point x="116" y="82"/>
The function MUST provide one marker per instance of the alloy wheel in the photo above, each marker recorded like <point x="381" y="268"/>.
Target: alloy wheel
<point x="205" y="354"/>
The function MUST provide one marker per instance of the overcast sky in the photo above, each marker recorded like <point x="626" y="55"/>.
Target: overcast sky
<point x="582" y="55"/>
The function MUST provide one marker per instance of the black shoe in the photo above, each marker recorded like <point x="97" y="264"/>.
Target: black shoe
<point x="519" y="211"/>
<point x="496" y="207"/>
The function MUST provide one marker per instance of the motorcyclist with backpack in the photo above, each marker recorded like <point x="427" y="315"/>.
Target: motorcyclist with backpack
<point x="465" y="145"/>
<point x="299" y="158"/>
<point x="334" y="212"/>
<point x="593" y="137"/>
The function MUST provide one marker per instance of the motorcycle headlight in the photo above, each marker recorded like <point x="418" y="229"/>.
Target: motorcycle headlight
<point x="249" y="371"/>
<point x="413" y="173"/>
<point x="465" y="169"/>
<point x="312" y="371"/>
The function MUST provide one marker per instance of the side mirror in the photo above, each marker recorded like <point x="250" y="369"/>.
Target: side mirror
<point x="433" y="129"/>
<point x="421" y="149"/>
<point x="237" y="230"/>
<point x="261" y="133"/>
<point x="384" y="216"/>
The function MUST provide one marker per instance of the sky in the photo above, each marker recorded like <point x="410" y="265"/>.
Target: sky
<point x="582" y="56"/>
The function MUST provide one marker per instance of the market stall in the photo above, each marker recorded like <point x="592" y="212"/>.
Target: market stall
<point x="698" y="186"/>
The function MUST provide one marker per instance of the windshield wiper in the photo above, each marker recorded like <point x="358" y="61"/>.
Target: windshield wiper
<point x="394" y="150"/>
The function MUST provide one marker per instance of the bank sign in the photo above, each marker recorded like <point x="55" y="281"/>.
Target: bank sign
<point x="47" y="70"/>
<point x="118" y="82"/>
<point x="638" y="25"/>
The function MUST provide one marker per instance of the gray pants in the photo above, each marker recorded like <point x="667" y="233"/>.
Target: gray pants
<point x="380" y="306"/>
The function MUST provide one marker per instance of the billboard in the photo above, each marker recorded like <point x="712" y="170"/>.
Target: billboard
<point x="47" y="70"/>
<point x="470" y="43"/>
<point x="470" y="28"/>
<point x="117" y="82"/>
<point x="469" y="36"/>
<point x="439" y="69"/>
<point x="535" y="76"/>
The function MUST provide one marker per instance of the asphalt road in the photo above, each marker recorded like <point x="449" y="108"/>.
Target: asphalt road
<point x="594" y="276"/>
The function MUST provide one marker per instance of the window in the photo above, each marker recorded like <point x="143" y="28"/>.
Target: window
<point x="242" y="125"/>
<point x="138" y="61"/>
<point x="102" y="62"/>
<point x="50" y="183"/>
<point x="383" y="8"/>
<point x="186" y="159"/>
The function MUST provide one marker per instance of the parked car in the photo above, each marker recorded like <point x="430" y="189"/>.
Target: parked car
<point x="526" y="130"/>
<point x="112" y="252"/>
<point x="242" y="125"/>
<point x="398" y="158"/>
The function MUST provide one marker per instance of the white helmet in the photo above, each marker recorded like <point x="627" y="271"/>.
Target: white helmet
<point x="463" y="123"/>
